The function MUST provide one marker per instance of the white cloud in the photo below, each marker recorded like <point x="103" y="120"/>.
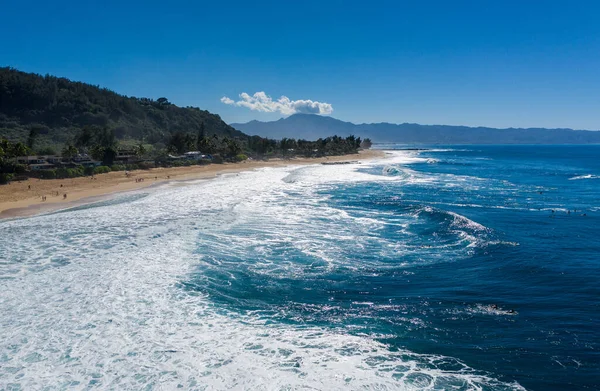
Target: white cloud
<point x="262" y="102"/>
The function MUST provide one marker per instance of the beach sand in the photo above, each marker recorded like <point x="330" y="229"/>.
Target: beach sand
<point x="24" y="198"/>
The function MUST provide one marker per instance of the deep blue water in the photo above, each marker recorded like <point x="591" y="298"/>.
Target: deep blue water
<point x="487" y="254"/>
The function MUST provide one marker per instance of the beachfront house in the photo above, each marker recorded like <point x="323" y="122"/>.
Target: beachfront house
<point x="28" y="160"/>
<point x="83" y="159"/>
<point x="40" y="162"/>
<point x="192" y="155"/>
<point x="53" y="159"/>
<point x="127" y="156"/>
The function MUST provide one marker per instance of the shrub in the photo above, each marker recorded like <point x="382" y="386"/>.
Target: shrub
<point x="61" y="173"/>
<point x="76" y="172"/>
<point x="69" y="172"/>
<point x="217" y="159"/>
<point x="145" y="166"/>
<point x="204" y="162"/>
<point x="5" y="177"/>
<point x="240" y="157"/>
<point x="101" y="170"/>
<point x="118" y="167"/>
<point x="20" y="168"/>
<point x="47" y="174"/>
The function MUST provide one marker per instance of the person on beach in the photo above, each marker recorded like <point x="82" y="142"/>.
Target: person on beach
<point x="65" y="196"/>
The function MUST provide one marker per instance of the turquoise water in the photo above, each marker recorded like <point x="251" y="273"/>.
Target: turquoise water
<point x="458" y="267"/>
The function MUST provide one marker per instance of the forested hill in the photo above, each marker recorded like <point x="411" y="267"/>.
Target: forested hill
<point x="57" y="109"/>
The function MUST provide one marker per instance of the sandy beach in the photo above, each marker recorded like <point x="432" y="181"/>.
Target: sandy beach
<point x="24" y="198"/>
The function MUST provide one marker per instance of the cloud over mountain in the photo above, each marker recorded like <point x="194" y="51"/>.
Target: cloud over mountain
<point x="262" y="102"/>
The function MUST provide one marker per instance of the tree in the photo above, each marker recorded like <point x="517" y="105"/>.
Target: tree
<point x="7" y="149"/>
<point x="181" y="142"/>
<point x="33" y="133"/>
<point x="97" y="152"/>
<point x="85" y="137"/>
<point x="108" y="138"/>
<point x="110" y="153"/>
<point x="201" y="140"/>
<point x="366" y="143"/>
<point x="20" y="149"/>
<point x="140" y="151"/>
<point x="69" y="152"/>
<point x="233" y="147"/>
<point x="163" y="101"/>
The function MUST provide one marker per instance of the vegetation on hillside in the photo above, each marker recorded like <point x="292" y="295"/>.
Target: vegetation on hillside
<point x="56" y="109"/>
<point x="47" y="115"/>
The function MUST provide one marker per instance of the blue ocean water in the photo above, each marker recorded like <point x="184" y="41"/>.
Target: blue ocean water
<point x="455" y="267"/>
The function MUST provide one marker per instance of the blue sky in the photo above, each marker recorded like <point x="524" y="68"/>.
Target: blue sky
<point x="492" y="63"/>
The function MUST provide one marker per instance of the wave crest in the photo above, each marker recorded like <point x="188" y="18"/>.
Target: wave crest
<point x="587" y="176"/>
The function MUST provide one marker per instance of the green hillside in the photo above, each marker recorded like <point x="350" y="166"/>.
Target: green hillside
<point x="56" y="109"/>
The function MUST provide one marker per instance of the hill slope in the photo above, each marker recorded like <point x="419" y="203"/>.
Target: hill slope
<point x="58" y="108"/>
<point x="315" y="126"/>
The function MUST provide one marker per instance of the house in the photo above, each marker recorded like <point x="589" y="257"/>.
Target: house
<point x="125" y="156"/>
<point x="39" y="162"/>
<point x="193" y="155"/>
<point x="54" y="159"/>
<point x="83" y="159"/>
<point x="196" y="155"/>
<point x="41" y="166"/>
<point x="28" y="160"/>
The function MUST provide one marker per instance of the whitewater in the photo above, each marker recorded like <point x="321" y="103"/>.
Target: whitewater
<point x="258" y="280"/>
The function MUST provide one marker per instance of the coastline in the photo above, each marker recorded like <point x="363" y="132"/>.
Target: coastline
<point x="20" y="199"/>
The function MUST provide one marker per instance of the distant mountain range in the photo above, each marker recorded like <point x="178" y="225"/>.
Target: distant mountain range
<point x="311" y="127"/>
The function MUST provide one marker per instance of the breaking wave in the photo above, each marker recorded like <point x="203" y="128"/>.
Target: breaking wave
<point x="588" y="176"/>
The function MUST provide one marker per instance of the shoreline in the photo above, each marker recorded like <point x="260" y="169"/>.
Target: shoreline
<point x="24" y="198"/>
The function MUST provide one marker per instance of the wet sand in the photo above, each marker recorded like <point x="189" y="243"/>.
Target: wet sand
<point x="24" y="198"/>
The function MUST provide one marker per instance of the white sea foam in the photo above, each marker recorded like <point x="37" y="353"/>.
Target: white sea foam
<point x="461" y="221"/>
<point x="92" y="298"/>
<point x="587" y="176"/>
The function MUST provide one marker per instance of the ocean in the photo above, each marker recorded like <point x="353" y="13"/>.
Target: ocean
<point x="445" y="268"/>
